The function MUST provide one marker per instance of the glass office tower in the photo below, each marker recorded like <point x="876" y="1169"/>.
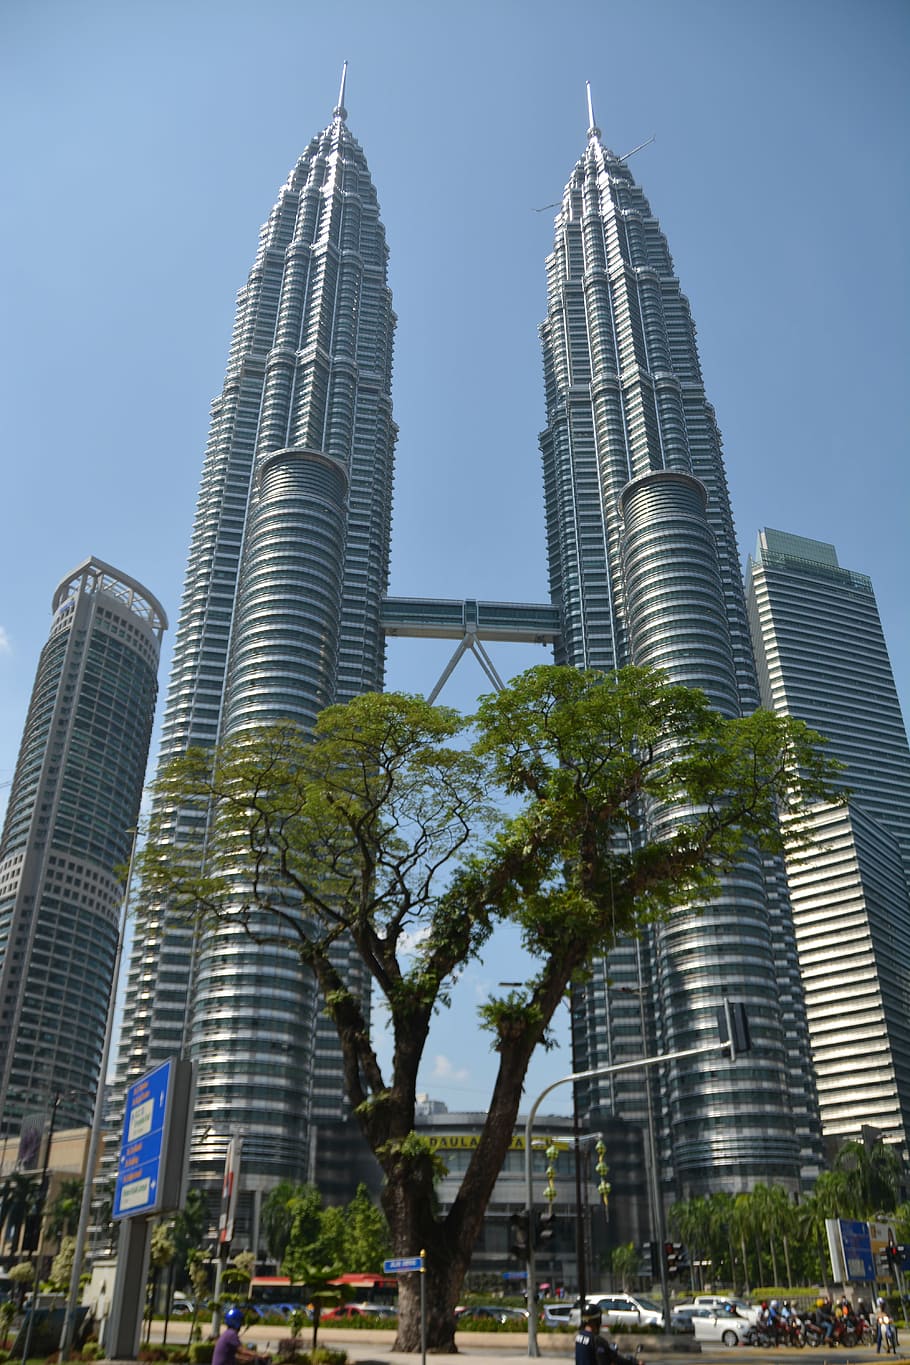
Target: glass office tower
<point x="68" y="833"/>
<point x="280" y="616"/>
<point x="644" y="567"/>
<point x="822" y="656"/>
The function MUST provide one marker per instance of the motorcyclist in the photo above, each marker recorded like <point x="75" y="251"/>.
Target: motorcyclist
<point x="593" y="1349"/>
<point x="824" y="1318"/>
<point x="228" y="1348"/>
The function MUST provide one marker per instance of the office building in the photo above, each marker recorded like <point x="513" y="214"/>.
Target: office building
<point x="283" y="611"/>
<point x="822" y="657"/>
<point x="644" y="567"/>
<point x="68" y="833"/>
<point x="280" y="617"/>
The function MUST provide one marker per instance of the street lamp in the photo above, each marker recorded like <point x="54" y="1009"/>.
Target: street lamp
<point x="734" y="1038"/>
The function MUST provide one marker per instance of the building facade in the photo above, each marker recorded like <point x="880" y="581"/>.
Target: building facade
<point x="280" y="617"/>
<point x="644" y="567"/>
<point x="822" y="657"/>
<point x="68" y="832"/>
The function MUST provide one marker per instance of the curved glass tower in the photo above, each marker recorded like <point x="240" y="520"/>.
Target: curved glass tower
<point x="68" y="830"/>
<point x="280" y="617"/>
<point x="644" y="567"/>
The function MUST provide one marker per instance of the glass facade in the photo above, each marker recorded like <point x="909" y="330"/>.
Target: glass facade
<point x="644" y="568"/>
<point x="68" y="832"/>
<point x="280" y="616"/>
<point x="822" y="657"/>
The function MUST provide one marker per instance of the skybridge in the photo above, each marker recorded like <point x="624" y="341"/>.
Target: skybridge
<point x="470" y="622"/>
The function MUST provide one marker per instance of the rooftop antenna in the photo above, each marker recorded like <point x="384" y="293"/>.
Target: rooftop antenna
<point x="593" y="130"/>
<point x="339" y="111"/>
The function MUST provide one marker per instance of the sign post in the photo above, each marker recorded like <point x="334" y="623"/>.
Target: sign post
<point x="150" y="1178"/>
<point x="405" y="1265"/>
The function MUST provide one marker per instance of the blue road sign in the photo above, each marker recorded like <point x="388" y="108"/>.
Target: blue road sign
<point x="857" y="1244"/>
<point x="400" y="1264"/>
<point x="141" y="1147"/>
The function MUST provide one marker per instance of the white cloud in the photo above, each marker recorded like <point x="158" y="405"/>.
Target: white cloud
<point x="5" y="642"/>
<point x="444" y="1070"/>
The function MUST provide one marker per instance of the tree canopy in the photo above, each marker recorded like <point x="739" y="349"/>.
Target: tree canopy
<point x="412" y="832"/>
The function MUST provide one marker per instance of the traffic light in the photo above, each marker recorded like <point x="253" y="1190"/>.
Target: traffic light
<point x="671" y="1256"/>
<point x="733" y="1028"/>
<point x="518" y="1235"/>
<point x="650" y="1260"/>
<point x="546" y="1226"/>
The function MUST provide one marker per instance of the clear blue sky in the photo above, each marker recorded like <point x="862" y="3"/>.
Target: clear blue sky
<point x="144" y="143"/>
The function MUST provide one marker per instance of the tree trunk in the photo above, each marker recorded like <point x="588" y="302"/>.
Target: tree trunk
<point x="742" y="1238"/>
<point x="442" y="1286"/>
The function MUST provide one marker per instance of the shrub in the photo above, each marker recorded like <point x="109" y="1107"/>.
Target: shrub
<point x="201" y="1352"/>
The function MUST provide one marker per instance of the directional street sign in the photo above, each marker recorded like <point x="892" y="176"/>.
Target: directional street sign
<point x="400" y="1264"/>
<point x="141" y="1148"/>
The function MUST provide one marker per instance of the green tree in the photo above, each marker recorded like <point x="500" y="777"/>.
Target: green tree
<point x="62" y="1266"/>
<point x="624" y="1263"/>
<point x="275" y="1218"/>
<point x="22" y="1276"/>
<point x="872" y="1177"/>
<point x="63" y="1215"/>
<point x="20" y="1199"/>
<point x="366" y="1234"/>
<point x="161" y="1255"/>
<point x="188" y="1229"/>
<point x="382" y="827"/>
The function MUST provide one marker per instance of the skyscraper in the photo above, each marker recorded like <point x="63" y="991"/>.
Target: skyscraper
<point x="280" y="617"/>
<point x="644" y="567"/>
<point x="822" y="656"/>
<point x="69" y="826"/>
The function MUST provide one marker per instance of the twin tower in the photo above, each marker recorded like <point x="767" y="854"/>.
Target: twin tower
<point x="284" y="611"/>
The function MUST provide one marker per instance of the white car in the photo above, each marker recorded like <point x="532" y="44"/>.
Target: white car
<point x="717" y="1303"/>
<point x="622" y="1310"/>
<point x="728" y="1328"/>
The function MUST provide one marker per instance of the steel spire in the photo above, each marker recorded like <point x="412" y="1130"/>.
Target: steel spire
<point x="593" y="130"/>
<point x="339" y="111"/>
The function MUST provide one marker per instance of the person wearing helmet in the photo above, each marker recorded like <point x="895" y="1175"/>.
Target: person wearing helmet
<point x="228" y="1347"/>
<point x="593" y="1349"/>
<point x="824" y="1318"/>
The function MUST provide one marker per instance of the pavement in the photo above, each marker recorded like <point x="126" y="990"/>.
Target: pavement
<point x="373" y="1347"/>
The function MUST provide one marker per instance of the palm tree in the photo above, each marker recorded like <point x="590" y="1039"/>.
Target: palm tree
<point x="63" y="1216"/>
<point x="624" y="1262"/>
<point x="873" y="1176"/>
<point x="20" y="1199"/>
<point x="742" y="1225"/>
<point x="721" y="1206"/>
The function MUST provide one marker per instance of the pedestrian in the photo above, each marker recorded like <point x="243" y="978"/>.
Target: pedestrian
<point x="593" y="1349"/>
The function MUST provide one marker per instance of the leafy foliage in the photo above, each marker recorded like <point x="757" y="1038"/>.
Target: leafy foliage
<point x="393" y="828"/>
<point x="763" y="1237"/>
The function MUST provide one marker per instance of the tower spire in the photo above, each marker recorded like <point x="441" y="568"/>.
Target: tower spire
<point x="593" y="130"/>
<point x="339" y="111"/>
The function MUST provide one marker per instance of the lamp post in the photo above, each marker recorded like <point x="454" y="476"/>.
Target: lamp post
<point x="731" y="1041"/>
<point x="69" y="1317"/>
